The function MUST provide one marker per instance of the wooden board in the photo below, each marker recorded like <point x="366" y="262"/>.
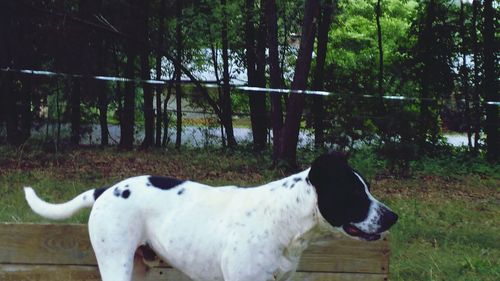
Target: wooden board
<point x="63" y="252"/>
<point x="90" y="273"/>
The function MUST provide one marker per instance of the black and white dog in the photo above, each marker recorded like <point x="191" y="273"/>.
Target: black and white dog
<point x="225" y="233"/>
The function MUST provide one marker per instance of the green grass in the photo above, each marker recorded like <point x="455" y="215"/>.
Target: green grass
<point x="445" y="240"/>
<point x="449" y="208"/>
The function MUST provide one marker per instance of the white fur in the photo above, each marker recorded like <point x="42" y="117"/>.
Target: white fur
<point x="372" y="222"/>
<point x="58" y="211"/>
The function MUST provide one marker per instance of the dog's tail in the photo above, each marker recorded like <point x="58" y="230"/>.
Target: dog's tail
<point x="63" y="210"/>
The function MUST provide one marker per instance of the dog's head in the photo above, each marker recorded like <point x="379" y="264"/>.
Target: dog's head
<point x="344" y="199"/>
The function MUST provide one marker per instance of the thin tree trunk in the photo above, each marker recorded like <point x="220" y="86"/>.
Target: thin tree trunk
<point x="165" y="116"/>
<point x="318" y="101"/>
<point x="215" y="62"/>
<point x="477" y="112"/>
<point x="102" y="98"/>
<point x="127" y="121"/>
<point x="290" y="133"/>
<point x="256" y="99"/>
<point x="378" y="14"/>
<point x="274" y="75"/>
<point x="149" y="120"/>
<point x="426" y="114"/>
<point x="128" y="110"/>
<point x="465" y="76"/>
<point x="491" y="84"/>
<point x="226" y="88"/>
<point x="178" y="89"/>
<point x="260" y="69"/>
<point x="159" y="88"/>
<point x="75" y="100"/>
<point x="103" y="112"/>
<point x="11" y="110"/>
<point x="9" y="100"/>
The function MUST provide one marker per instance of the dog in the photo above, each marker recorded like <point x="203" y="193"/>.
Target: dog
<point x="225" y="233"/>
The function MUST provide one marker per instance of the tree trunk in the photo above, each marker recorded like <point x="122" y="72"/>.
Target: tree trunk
<point x="225" y="101"/>
<point x="477" y="112"/>
<point x="257" y="100"/>
<point x="127" y="121"/>
<point x="490" y="84"/>
<point x="260" y="69"/>
<point x="161" y="30"/>
<point x="11" y="110"/>
<point x="166" y="116"/>
<point x="128" y="110"/>
<point x="25" y="110"/>
<point x="149" y="121"/>
<point x="318" y="100"/>
<point x="103" y="112"/>
<point x="378" y="14"/>
<point x="426" y="114"/>
<point x="464" y="72"/>
<point x="215" y="62"/>
<point x="75" y="117"/>
<point x="102" y="90"/>
<point x="178" y="89"/>
<point x="290" y="133"/>
<point x="8" y="96"/>
<point x="274" y="75"/>
<point x="381" y="109"/>
<point x="80" y="66"/>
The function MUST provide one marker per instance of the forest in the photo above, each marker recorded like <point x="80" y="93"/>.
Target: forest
<point x="393" y="74"/>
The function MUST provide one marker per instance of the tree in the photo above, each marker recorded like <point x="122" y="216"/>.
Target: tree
<point x="127" y="120"/>
<point x="178" y="73"/>
<point x="490" y="83"/>
<point x="318" y="80"/>
<point x="464" y="73"/>
<point x="434" y="51"/>
<point x="79" y="66"/>
<point x="378" y="14"/>
<point x="287" y="149"/>
<point x="101" y="87"/>
<point x="159" y="56"/>
<point x="7" y="97"/>
<point x="225" y="99"/>
<point x="149" y="120"/>
<point x="477" y="112"/>
<point x="274" y="75"/>
<point x="257" y="101"/>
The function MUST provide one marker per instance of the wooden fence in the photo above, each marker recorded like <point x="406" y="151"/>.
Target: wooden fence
<point x="57" y="252"/>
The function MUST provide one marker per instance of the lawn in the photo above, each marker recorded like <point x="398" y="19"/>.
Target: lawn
<point x="449" y="209"/>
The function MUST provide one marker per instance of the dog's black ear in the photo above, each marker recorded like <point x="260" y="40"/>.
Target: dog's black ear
<point x="341" y="194"/>
<point x="322" y="167"/>
<point x="326" y="175"/>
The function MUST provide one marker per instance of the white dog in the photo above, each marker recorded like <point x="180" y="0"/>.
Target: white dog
<point x="224" y="233"/>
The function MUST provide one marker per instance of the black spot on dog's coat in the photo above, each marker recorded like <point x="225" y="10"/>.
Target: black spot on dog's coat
<point x="181" y="191"/>
<point x="126" y="194"/>
<point x="164" y="183"/>
<point x="98" y="192"/>
<point x="116" y="192"/>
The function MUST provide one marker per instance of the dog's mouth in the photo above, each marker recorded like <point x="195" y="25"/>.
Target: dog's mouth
<point x="356" y="232"/>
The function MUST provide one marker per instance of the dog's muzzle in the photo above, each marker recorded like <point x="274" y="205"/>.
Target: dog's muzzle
<point x="386" y="220"/>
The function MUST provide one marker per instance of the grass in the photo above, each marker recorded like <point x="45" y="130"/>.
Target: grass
<point x="449" y="208"/>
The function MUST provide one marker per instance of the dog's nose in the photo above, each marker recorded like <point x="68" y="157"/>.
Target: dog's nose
<point x="389" y="218"/>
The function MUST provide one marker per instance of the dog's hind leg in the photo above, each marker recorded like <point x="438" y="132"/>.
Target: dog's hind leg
<point x="115" y="233"/>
